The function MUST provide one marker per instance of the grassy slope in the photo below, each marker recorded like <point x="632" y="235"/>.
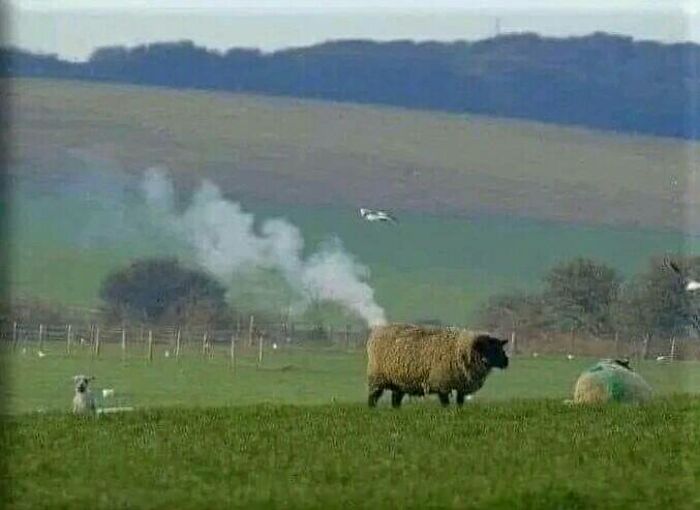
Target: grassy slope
<point x="312" y="162"/>
<point x="537" y="455"/>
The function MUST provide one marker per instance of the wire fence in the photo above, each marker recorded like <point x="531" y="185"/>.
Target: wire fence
<point x="175" y="341"/>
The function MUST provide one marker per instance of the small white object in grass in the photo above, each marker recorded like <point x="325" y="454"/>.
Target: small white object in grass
<point x="107" y="392"/>
<point x="535" y="354"/>
<point x="110" y="410"/>
<point x="24" y="350"/>
<point x="274" y="346"/>
<point x="40" y="354"/>
<point x="663" y="358"/>
<point x="692" y="285"/>
<point x="569" y="356"/>
<point x="167" y="354"/>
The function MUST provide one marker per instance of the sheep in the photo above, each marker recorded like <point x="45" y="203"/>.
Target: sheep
<point x="419" y="360"/>
<point x="611" y="380"/>
<point x="83" y="401"/>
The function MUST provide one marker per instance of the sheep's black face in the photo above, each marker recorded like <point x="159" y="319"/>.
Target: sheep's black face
<point x="491" y="351"/>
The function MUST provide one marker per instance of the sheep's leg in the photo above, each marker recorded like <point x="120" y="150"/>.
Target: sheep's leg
<point x="460" y="398"/>
<point x="444" y="399"/>
<point x="374" y="394"/>
<point x="396" y="397"/>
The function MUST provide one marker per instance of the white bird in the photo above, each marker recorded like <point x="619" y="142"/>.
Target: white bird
<point x="688" y="283"/>
<point x="372" y="215"/>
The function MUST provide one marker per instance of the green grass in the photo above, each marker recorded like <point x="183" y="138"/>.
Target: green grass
<point x="296" y="433"/>
<point x="290" y="376"/>
<point x="533" y="455"/>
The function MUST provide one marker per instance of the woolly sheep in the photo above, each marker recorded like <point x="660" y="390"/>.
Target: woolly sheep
<point x="419" y="360"/>
<point x="83" y="401"/>
<point x="611" y="381"/>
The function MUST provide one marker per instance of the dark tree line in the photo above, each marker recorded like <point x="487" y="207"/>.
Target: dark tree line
<point x="590" y="298"/>
<point x="601" y="81"/>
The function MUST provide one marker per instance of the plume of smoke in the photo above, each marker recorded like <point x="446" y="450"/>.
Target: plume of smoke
<point x="225" y="242"/>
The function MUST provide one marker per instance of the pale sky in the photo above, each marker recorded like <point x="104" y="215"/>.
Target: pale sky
<point x="74" y="28"/>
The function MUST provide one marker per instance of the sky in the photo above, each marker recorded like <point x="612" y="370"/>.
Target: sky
<point x="74" y="28"/>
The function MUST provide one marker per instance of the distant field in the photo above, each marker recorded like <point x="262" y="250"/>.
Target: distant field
<point x="292" y="376"/>
<point x="319" y="153"/>
<point x="485" y="205"/>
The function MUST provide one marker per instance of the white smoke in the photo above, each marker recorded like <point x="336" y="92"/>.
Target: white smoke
<point x="225" y="242"/>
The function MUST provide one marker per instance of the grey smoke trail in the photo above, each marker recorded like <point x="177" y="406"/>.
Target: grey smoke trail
<point x="225" y="242"/>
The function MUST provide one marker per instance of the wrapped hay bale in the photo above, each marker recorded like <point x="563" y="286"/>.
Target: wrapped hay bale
<point x="611" y="381"/>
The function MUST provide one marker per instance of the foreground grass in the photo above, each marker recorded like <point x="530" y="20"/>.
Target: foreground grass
<point x="536" y="454"/>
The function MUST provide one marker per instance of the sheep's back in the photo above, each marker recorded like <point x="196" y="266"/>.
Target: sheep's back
<point x="609" y="383"/>
<point x="412" y="357"/>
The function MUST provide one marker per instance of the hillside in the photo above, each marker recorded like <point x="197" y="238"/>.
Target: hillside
<point x="601" y="81"/>
<point x="314" y="153"/>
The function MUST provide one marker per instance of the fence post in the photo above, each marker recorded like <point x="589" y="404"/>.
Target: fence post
<point x="513" y="343"/>
<point x="204" y="343"/>
<point x="330" y="334"/>
<point x="14" y="335"/>
<point x="260" y="349"/>
<point x="41" y="337"/>
<point x="233" y="351"/>
<point x="617" y="344"/>
<point x="69" y="339"/>
<point x="150" y="346"/>
<point x="572" y="344"/>
<point x="123" y="343"/>
<point x="177" y="344"/>
<point x="97" y="341"/>
<point x="673" y="348"/>
<point x="347" y="337"/>
<point x="291" y="332"/>
<point x="251" y="326"/>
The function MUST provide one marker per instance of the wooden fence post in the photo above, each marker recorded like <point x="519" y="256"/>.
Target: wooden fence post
<point x="330" y="334"/>
<point x="260" y="349"/>
<point x="233" y="351"/>
<point x="617" y="344"/>
<point x="347" y="337"/>
<point x="205" y="339"/>
<point x="291" y="332"/>
<point x="14" y="335"/>
<point x="673" y="348"/>
<point x="41" y="337"/>
<point x="97" y="341"/>
<point x="177" y="344"/>
<point x="251" y="327"/>
<point x="572" y="344"/>
<point x="513" y="343"/>
<point x="123" y="343"/>
<point x="69" y="339"/>
<point x="150" y="346"/>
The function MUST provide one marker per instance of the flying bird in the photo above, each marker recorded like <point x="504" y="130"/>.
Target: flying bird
<point x="688" y="283"/>
<point x="372" y="215"/>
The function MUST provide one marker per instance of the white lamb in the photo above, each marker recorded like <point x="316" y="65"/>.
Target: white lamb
<point x="83" y="401"/>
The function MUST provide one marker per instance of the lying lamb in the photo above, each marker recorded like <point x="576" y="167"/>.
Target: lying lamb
<point x="611" y="380"/>
<point x="83" y="401"/>
<point x="417" y="360"/>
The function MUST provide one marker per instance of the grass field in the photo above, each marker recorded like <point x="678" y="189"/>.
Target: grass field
<point x="204" y="437"/>
<point x="289" y="376"/>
